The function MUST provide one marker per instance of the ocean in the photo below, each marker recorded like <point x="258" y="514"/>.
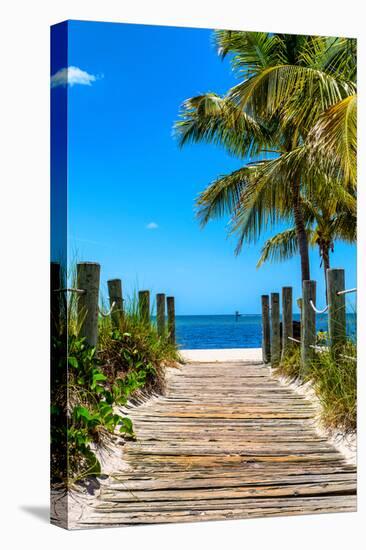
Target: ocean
<point x="224" y="331"/>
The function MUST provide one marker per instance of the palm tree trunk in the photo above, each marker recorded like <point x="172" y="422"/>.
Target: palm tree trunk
<point x="324" y="252"/>
<point x="301" y="233"/>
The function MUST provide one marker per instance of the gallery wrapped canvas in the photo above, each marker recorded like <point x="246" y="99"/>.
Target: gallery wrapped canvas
<point x="203" y="274"/>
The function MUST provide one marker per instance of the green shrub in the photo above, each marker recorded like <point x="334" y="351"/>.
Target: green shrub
<point x="129" y="358"/>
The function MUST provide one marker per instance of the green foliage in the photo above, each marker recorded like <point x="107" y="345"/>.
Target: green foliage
<point x="91" y="401"/>
<point x="290" y="364"/>
<point x="334" y="381"/>
<point x="85" y="411"/>
<point x="282" y="246"/>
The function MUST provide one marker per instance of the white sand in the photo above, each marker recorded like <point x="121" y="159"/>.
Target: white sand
<point x="219" y="355"/>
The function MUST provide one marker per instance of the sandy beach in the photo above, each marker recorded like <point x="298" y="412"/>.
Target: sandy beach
<point x="220" y="355"/>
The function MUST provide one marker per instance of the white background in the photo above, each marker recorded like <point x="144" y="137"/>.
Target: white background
<point x="24" y="232"/>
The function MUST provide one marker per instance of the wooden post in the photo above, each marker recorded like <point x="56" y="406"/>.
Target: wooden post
<point x="299" y="304"/>
<point x="160" y="313"/>
<point x="287" y="328"/>
<point x="336" y="308"/>
<point x="115" y="295"/>
<point x="55" y="298"/>
<point x="144" y="305"/>
<point x="266" y="330"/>
<point x="171" y="318"/>
<point x="308" y="318"/>
<point x="88" y="277"/>
<point x="275" y="329"/>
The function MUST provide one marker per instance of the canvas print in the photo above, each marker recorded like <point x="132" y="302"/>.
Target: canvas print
<point x="203" y="274"/>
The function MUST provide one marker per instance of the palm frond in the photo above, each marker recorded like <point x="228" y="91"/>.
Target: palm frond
<point x="295" y="93"/>
<point x="281" y="247"/>
<point x="333" y="55"/>
<point x="344" y="227"/>
<point x="264" y="202"/>
<point x="333" y="140"/>
<point x="223" y="195"/>
<point x="216" y="119"/>
<point x="251" y="51"/>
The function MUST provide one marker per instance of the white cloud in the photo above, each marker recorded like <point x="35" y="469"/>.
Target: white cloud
<point x="152" y="225"/>
<point x="72" y="75"/>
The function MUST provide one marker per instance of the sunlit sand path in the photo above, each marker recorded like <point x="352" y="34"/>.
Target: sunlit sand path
<point x="227" y="440"/>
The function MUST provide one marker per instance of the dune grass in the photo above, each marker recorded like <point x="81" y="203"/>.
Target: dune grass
<point x="334" y="381"/>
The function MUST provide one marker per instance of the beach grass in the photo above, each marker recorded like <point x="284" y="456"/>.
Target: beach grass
<point x="334" y="380"/>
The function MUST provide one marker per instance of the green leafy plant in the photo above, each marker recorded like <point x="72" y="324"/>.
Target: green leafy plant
<point x="95" y="383"/>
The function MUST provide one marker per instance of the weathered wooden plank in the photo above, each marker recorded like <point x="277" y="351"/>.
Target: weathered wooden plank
<point x="176" y="495"/>
<point x="224" y="510"/>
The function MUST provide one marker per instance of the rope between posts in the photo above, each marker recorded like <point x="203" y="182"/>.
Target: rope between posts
<point x="340" y="292"/>
<point x="105" y="314"/>
<point x="323" y="348"/>
<point x="77" y="290"/>
<point x="318" y="310"/>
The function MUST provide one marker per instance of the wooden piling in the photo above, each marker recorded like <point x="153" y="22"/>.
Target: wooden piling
<point x="115" y="296"/>
<point x="308" y="330"/>
<point x="55" y="298"/>
<point x="171" y="318"/>
<point x="336" y="308"/>
<point x="287" y="327"/>
<point x="266" y="330"/>
<point x="275" y="329"/>
<point x="160" y="313"/>
<point x="299" y="305"/>
<point x="144" y="306"/>
<point x="88" y="279"/>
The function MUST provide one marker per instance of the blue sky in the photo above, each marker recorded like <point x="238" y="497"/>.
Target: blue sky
<point x="131" y="190"/>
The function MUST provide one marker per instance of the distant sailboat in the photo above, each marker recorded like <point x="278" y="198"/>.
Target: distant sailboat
<point x="237" y="315"/>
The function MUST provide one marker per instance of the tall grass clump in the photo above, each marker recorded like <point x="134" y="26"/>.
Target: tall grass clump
<point x="333" y="377"/>
<point x="136" y="345"/>
<point x="127" y="363"/>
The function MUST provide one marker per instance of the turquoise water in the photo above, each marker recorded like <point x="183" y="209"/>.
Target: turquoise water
<point x="224" y="331"/>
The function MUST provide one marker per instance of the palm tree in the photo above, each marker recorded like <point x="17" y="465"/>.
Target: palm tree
<point x="329" y="227"/>
<point x="282" y="106"/>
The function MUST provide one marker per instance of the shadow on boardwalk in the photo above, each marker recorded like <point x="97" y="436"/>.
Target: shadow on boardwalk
<point x="226" y="441"/>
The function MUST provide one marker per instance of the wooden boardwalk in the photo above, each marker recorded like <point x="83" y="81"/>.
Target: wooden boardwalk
<point x="226" y="441"/>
